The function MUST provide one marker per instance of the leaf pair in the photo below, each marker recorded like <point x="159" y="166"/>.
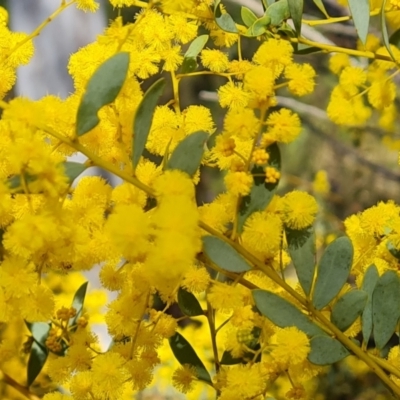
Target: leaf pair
<point x="40" y="332"/>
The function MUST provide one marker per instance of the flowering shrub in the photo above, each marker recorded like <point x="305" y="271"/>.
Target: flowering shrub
<point x="252" y="333"/>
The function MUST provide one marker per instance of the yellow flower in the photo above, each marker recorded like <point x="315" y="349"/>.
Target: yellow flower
<point x="352" y="78"/>
<point x="284" y="126"/>
<point x="292" y="346"/>
<point x="81" y="385"/>
<point x="259" y="82"/>
<point x="196" y="280"/>
<point x="381" y="94"/>
<point x="301" y="78"/>
<point x="338" y="62"/>
<point x="274" y="54"/>
<point x="321" y="183"/>
<point x="224" y="297"/>
<point x="183" y="378"/>
<point x="214" y="60"/>
<point x="299" y="209"/>
<point x="233" y="96"/>
<point x="238" y="183"/>
<point x="87" y="5"/>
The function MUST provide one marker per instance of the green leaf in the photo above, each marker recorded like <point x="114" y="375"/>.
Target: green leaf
<point x="261" y="193"/>
<point x="185" y="354"/>
<point x="259" y="27"/>
<point x="360" y="13"/>
<point x="333" y="271"/>
<point x="296" y="12"/>
<point x="102" y="89"/>
<point x="73" y="169"/>
<point x="348" y="308"/>
<point x="37" y="359"/>
<point x="189" y="65"/>
<point x="385" y="307"/>
<point x="278" y="12"/>
<point x="39" y="331"/>
<point x="304" y="49"/>
<point x="188" y="153"/>
<point x="196" y="46"/>
<point x="301" y="247"/>
<point x="369" y="282"/>
<point x="224" y="21"/>
<point x="325" y="350"/>
<point x="212" y="140"/>
<point x="188" y="303"/>
<point x="143" y="119"/>
<point x="190" y="59"/>
<point x="248" y="17"/>
<point x="385" y="35"/>
<point x="395" y="38"/>
<point x="321" y="7"/>
<point x="224" y="255"/>
<point x="228" y="359"/>
<point x="77" y="303"/>
<point x="392" y="249"/>
<point x="282" y="313"/>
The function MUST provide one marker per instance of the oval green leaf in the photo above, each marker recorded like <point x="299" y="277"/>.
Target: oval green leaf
<point x="261" y="193"/>
<point x="348" y="308"/>
<point x="248" y="17"/>
<point x="385" y="307"/>
<point x="385" y="35"/>
<point x="188" y="153"/>
<point x="224" y="20"/>
<point x="296" y="12"/>
<point x="102" y="89"/>
<point x="224" y="255"/>
<point x="301" y="247"/>
<point x="360" y="13"/>
<point x="73" y="169"/>
<point x="196" y="46"/>
<point x="185" y="354"/>
<point x="143" y="119"/>
<point x="326" y="351"/>
<point x="77" y="302"/>
<point x="321" y="7"/>
<point x="39" y="331"/>
<point x="37" y="359"/>
<point x="333" y="271"/>
<point x="369" y="282"/>
<point x="188" y="303"/>
<point x="278" y="12"/>
<point x="282" y="313"/>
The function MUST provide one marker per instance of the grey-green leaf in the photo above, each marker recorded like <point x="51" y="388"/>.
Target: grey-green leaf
<point x="333" y="271"/>
<point x="188" y="303"/>
<point x="385" y="35"/>
<point x="102" y="89"/>
<point x="296" y="12"/>
<point x="371" y="277"/>
<point x="77" y="302"/>
<point x="73" y="169"/>
<point x="360" y="14"/>
<point x="261" y="193"/>
<point x="39" y="331"/>
<point x="301" y="247"/>
<point x="224" y="20"/>
<point x="144" y="118"/>
<point x="348" y="308"/>
<point x="321" y="7"/>
<point x="188" y="153"/>
<point x="248" y="17"/>
<point x="282" y="313"/>
<point x="224" y="255"/>
<point x="37" y="359"/>
<point x="196" y="46"/>
<point x="385" y="307"/>
<point x="326" y="351"/>
<point x="186" y="355"/>
<point x="278" y="12"/>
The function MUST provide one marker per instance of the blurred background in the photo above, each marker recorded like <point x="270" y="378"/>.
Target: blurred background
<point x="361" y="164"/>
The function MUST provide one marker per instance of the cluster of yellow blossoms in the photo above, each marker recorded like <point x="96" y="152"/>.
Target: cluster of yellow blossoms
<point x="148" y="234"/>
